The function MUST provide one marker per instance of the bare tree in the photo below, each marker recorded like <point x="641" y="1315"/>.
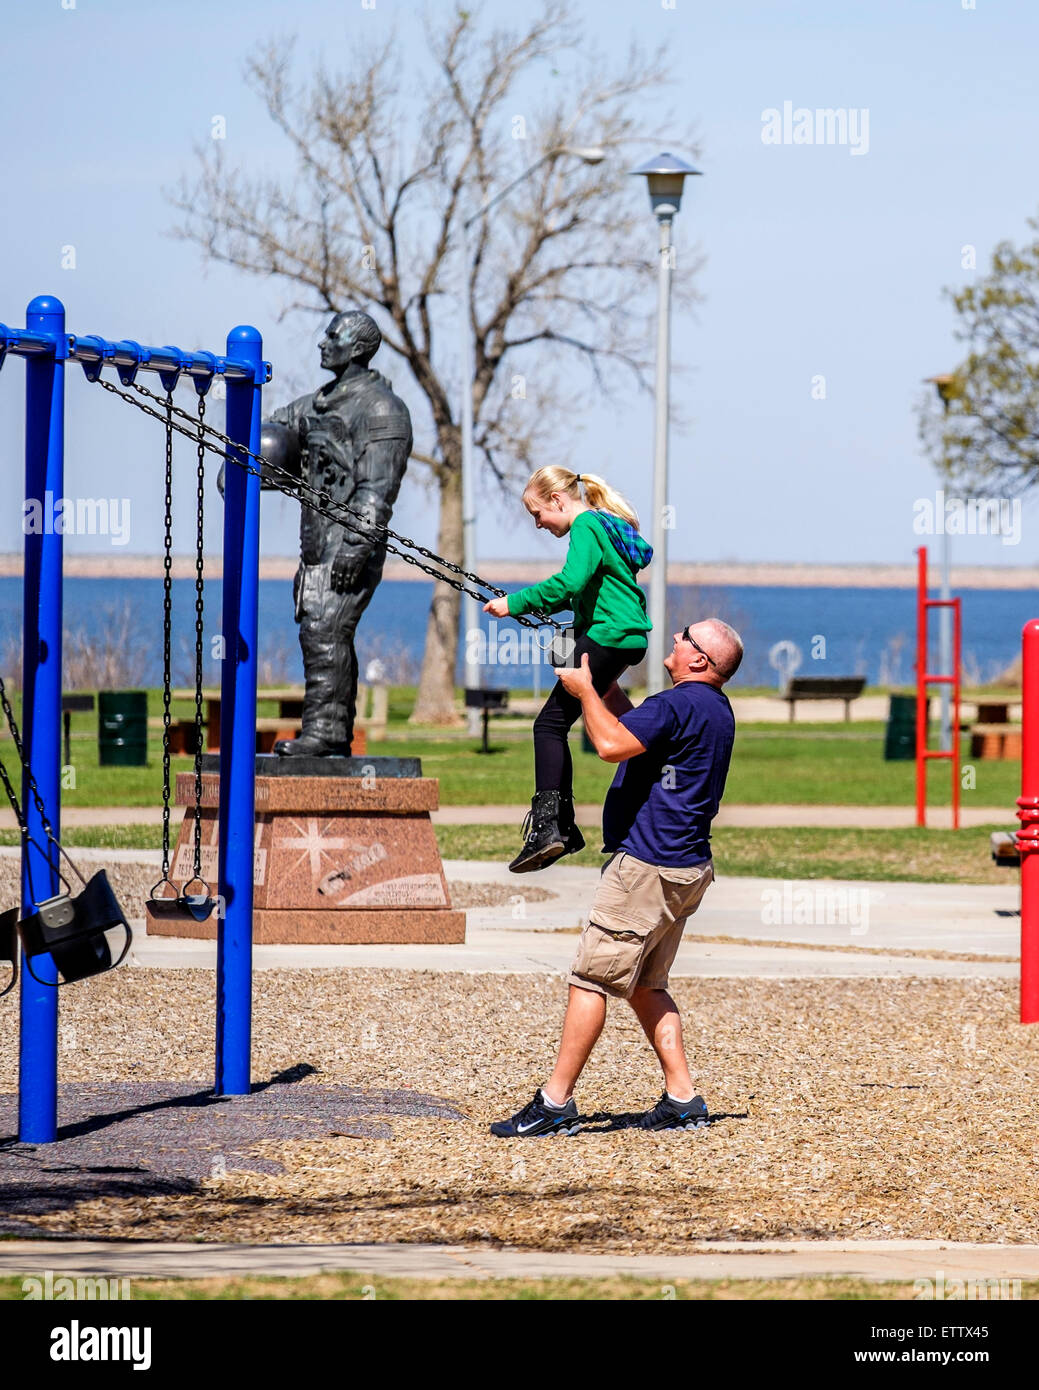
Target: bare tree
<point x="986" y="429"/>
<point x="388" y="166"/>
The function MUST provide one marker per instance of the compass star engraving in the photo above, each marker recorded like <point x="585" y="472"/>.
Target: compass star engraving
<point x="312" y="843"/>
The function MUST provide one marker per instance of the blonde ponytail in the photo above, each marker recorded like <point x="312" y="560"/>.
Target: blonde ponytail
<point x="597" y="492"/>
<point x="602" y="497"/>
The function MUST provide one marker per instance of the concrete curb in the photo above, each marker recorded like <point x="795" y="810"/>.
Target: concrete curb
<point x="934" y="1260"/>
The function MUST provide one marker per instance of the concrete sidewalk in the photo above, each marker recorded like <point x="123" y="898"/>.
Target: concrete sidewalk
<point x="889" y="920"/>
<point x="864" y="1259"/>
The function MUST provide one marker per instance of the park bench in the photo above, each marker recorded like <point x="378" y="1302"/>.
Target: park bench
<point x="846" y="688"/>
<point x="1003" y="844"/>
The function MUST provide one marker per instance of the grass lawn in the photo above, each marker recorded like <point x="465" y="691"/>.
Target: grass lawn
<point x="915" y="856"/>
<point x="771" y="764"/>
<point x="346" y="1285"/>
<point x="809" y="764"/>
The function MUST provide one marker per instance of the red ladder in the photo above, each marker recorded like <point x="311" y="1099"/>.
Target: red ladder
<point x="923" y="680"/>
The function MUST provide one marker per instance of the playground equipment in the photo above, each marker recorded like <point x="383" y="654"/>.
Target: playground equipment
<point x="1028" y="832"/>
<point x="924" y="679"/>
<point x="47" y="348"/>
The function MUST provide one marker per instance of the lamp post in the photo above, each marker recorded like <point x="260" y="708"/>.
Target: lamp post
<point x="944" y="386"/>
<point x="664" y="176"/>
<point x="470" y="605"/>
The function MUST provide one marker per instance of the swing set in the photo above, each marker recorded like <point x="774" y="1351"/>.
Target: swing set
<point x="61" y="932"/>
<point x="64" y="932"/>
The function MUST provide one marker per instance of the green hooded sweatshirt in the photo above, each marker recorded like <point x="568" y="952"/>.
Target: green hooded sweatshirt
<point x="598" y="584"/>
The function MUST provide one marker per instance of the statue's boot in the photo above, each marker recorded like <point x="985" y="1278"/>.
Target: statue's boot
<point x="311" y="746"/>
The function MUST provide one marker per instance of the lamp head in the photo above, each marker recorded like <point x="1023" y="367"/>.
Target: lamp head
<point x="664" y="176"/>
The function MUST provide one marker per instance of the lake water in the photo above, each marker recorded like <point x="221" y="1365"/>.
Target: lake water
<point x="852" y="631"/>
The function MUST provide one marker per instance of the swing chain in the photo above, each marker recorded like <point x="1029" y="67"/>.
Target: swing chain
<point x="167" y="623"/>
<point x="294" y="483"/>
<point x="19" y="813"/>
<point x="199" y="616"/>
<point x="296" y="488"/>
<point x="23" y="824"/>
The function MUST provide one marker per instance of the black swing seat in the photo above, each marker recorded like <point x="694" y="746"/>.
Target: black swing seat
<point x="9" y="946"/>
<point x="72" y="931"/>
<point x="197" y="906"/>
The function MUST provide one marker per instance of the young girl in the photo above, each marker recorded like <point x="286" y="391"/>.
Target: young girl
<point x="598" y="584"/>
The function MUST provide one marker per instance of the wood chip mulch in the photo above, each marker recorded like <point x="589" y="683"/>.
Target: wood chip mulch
<point x="843" y="1108"/>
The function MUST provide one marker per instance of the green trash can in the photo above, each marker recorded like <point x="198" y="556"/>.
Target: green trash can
<point x="122" y="733"/>
<point x="900" y="736"/>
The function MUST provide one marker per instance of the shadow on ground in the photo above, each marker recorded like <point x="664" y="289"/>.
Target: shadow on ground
<point x="150" y="1139"/>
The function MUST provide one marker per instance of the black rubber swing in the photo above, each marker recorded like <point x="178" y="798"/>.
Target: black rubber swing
<point x="69" y="928"/>
<point x="9" y="946"/>
<point x="72" y="930"/>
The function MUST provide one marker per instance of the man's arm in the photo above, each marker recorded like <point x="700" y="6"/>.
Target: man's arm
<point x="612" y="740"/>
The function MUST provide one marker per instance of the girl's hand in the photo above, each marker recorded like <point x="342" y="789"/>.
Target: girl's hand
<point x="498" y="608"/>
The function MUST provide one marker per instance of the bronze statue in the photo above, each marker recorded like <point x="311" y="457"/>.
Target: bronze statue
<point x="351" y="439"/>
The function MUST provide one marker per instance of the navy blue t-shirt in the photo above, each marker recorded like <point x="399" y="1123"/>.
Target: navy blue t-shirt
<point x="661" y="803"/>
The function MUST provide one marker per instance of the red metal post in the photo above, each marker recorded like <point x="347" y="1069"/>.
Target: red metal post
<point x="921" y="686"/>
<point x="1028" y="815"/>
<point x="957" y="639"/>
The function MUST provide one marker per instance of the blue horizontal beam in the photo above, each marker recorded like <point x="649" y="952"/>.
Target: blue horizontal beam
<point x="128" y="358"/>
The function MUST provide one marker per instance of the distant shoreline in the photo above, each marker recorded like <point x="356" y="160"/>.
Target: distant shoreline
<point x="733" y="573"/>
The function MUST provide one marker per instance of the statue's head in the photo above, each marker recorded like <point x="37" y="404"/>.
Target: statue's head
<point x="350" y="337"/>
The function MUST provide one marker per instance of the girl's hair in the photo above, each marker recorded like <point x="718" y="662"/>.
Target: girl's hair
<point x="597" y="493"/>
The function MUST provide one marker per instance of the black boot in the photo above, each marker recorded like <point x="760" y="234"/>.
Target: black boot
<point x="573" y="840"/>
<point x="311" y="745"/>
<point x="543" y="841"/>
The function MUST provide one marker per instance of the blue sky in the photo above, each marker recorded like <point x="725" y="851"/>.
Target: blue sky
<point x="819" y="262"/>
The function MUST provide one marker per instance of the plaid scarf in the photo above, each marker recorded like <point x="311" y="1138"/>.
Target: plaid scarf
<point x="626" y="540"/>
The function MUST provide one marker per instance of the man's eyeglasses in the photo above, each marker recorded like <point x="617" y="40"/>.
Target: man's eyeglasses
<point x="693" y="642"/>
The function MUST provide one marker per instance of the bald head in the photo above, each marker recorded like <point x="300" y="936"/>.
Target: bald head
<point x="726" y="646"/>
<point x="712" y="655"/>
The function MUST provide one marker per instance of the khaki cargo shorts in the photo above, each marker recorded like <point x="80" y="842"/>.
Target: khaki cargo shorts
<point x="635" y="924"/>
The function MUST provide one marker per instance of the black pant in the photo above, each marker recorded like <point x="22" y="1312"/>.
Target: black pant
<point x="553" y="765"/>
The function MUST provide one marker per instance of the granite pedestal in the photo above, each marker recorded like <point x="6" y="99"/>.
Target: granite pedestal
<point x="345" y="851"/>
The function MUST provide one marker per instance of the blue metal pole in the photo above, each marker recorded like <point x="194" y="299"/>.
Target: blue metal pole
<point x="238" y="728"/>
<point x="41" y="702"/>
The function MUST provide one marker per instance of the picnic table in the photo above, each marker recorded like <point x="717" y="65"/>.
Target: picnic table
<point x="993" y="735"/>
<point x="288" y="722"/>
<point x="289" y="719"/>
